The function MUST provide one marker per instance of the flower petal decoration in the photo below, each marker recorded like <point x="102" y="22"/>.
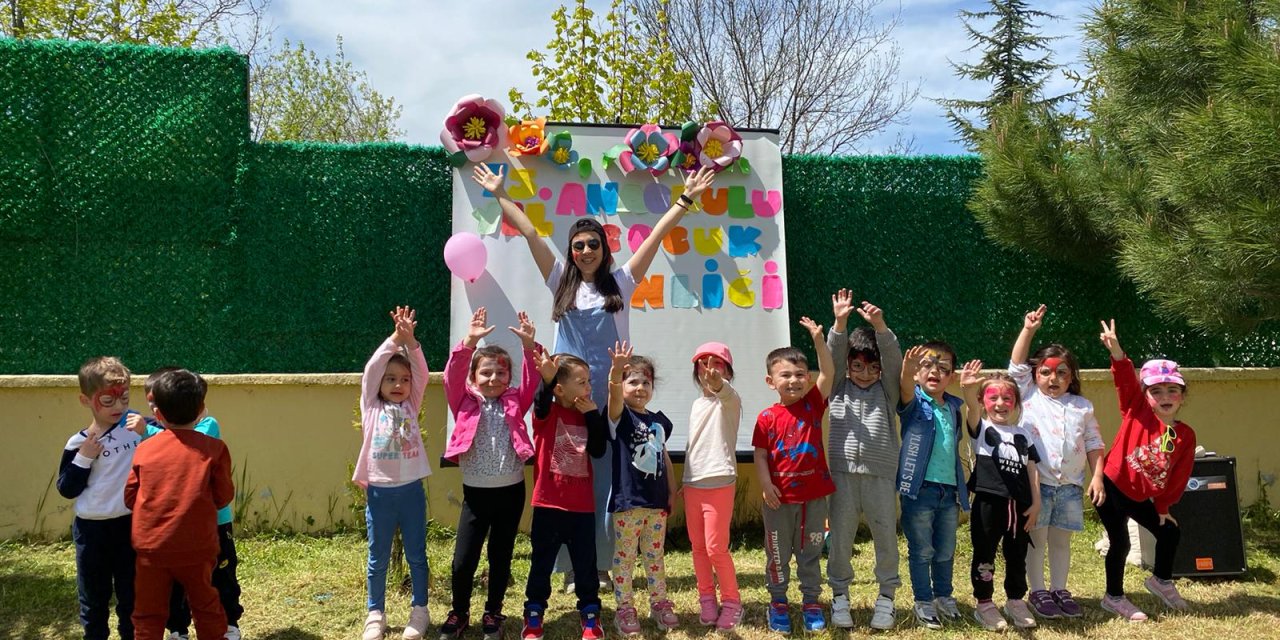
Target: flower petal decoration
<point x="474" y="129"/>
<point x="720" y="145"/>
<point x="529" y="137"/>
<point x="560" y="150"/>
<point x="645" y="148"/>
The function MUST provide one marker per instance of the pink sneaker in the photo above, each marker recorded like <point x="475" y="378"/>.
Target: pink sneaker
<point x="1167" y="592"/>
<point x="626" y="621"/>
<point x="709" y="609"/>
<point x="1123" y="608"/>
<point x="663" y="612"/>
<point x="730" y="616"/>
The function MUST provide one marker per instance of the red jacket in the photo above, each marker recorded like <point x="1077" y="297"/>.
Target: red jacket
<point x="179" y="479"/>
<point x="1136" y="463"/>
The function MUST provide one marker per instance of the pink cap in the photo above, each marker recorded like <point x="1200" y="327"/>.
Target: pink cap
<point x="717" y="349"/>
<point x="1161" y="371"/>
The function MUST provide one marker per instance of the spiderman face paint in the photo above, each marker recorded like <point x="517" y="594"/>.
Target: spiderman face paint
<point x="108" y="405"/>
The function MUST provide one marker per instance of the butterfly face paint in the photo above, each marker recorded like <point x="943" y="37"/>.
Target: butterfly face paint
<point x="999" y="400"/>
<point x="1053" y="377"/>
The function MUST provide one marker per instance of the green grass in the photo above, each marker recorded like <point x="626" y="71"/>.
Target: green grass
<point x="307" y="588"/>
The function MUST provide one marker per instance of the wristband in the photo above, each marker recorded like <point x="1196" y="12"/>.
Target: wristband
<point x="686" y="200"/>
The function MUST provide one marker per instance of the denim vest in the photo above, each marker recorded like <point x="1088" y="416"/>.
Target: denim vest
<point x="917" y="445"/>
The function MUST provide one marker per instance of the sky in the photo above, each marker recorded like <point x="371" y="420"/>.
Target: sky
<point x="428" y="53"/>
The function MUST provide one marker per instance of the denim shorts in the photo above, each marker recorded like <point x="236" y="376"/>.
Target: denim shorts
<point x="1061" y="507"/>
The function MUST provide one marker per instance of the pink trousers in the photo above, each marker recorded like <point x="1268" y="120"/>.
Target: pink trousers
<point x="708" y="513"/>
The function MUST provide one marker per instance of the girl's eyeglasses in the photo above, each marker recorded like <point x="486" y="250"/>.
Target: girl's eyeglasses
<point x="583" y="244"/>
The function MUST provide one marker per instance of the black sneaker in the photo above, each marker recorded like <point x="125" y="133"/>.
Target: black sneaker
<point x="491" y="623"/>
<point x="454" y="626"/>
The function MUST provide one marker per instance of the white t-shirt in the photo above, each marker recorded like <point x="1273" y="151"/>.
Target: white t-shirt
<point x="589" y="298"/>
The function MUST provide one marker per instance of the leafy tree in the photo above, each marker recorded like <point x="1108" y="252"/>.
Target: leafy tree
<point x="1174" y="176"/>
<point x="1009" y="63"/>
<point x="300" y="96"/>
<point x="296" y="95"/>
<point x="610" y="71"/>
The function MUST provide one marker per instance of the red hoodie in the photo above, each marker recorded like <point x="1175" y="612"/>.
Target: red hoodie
<point x="1135" y="462"/>
<point x="179" y="479"/>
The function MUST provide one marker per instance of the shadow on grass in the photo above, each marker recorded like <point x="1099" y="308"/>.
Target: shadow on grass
<point x="291" y="633"/>
<point x="26" y="610"/>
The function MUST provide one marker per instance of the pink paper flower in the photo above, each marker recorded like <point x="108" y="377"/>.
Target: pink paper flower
<point x="721" y="146"/>
<point x="474" y="129"/>
<point x="647" y="148"/>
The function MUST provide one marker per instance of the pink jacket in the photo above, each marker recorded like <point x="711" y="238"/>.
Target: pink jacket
<point x="465" y="403"/>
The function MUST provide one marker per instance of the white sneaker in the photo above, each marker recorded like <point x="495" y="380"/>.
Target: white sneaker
<point x="174" y="635"/>
<point x="927" y="616"/>
<point x="374" y="626"/>
<point x="233" y="633"/>
<point x="884" y="618"/>
<point x="840" y="615"/>
<point x="419" y="620"/>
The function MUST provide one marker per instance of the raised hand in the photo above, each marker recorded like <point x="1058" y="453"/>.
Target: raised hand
<point x="478" y="329"/>
<point x="814" y="329"/>
<point x="697" y="182"/>
<point x="873" y="315"/>
<point x="712" y="380"/>
<point x="1033" y="319"/>
<point x="620" y="356"/>
<point x="548" y="365"/>
<point x="841" y="307"/>
<point x="485" y="177"/>
<point x="971" y="373"/>
<point x="911" y="360"/>
<point x="406" y="322"/>
<point x="525" y="331"/>
<point x="1110" y="340"/>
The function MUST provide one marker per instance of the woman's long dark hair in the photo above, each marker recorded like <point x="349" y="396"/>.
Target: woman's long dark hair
<point x="567" y="291"/>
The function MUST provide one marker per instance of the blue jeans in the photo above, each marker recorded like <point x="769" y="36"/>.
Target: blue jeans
<point x="405" y="507"/>
<point x="929" y="522"/>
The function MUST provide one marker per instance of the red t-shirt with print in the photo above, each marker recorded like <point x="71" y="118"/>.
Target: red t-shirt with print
<point x="562" y="466"/>
<point x="792" y="434"/>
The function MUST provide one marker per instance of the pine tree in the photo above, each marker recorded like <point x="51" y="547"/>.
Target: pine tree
<point x="1174" y="179"/>
<point x="1009" y="63"/>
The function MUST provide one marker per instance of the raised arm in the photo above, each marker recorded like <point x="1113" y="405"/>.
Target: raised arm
<point x="694" y="184"/>
<point x="838" y="336"/>
<point x="374" y="369"/>
<point x="907" y="380"/>
<point x="1123" y="375"/>
<point x="825" y="366"/>
<point x="493" y="183"/>
<point x="547" y="367"/>
<point x="406" y="324"/>
<point x="970" y="380"/>
<point x="619" y="356"/>
<point x="1030" y="325"/>
<point x="529" y="374"/>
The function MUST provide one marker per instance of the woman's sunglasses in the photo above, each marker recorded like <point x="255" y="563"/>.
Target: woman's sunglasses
<point x="583" y="244"/>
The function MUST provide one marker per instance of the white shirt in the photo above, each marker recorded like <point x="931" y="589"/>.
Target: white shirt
<point x="1066" y="428"/>
<point x="589" y="298"/>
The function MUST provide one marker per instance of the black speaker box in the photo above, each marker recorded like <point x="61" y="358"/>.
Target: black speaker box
<point x="1212" y="542"/>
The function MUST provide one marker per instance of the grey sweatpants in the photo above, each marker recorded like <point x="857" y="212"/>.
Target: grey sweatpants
<point x="795" y="530"/>
<point x="860" y="494"/>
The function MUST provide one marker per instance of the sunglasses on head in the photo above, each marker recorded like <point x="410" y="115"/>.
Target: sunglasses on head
<point x="583" y="244"/>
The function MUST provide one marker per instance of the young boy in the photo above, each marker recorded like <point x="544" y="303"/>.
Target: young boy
<point x="224" y="572"/>
<point x="792" y="469"/>
<point x="930" y="478"/>
<point x="863" y="453"/>
<point x="94" y="467"/>
<point x="567" y="427"/>
<point x="179" y="480"/>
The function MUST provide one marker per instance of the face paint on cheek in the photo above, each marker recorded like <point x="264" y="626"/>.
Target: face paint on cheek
<point x="992" y="395"/>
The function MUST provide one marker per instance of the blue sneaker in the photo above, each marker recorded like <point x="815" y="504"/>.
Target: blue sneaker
<point x="814" y="619"/>
<point x="532" y="622"/>
<point x="779" y="617"/>
<point x="591" y="622"/>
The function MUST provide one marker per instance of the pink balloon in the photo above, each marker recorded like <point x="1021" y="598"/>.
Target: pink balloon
<point x="465" y="255"/>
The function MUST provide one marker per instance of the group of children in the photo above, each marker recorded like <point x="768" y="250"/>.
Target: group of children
<point x="152" y="508"/>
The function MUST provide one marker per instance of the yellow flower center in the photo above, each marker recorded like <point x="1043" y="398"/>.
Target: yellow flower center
<point x="713" y="148"/>
<point x="561" y="156"/>
<point x="648" y="152"/>
<point x="474" y="129"/>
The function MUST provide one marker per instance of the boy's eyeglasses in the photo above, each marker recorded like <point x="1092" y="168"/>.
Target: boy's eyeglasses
<point x="583" y="244"/>
<point x="858" y="367"/>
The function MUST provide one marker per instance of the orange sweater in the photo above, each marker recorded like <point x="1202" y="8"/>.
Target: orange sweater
<point x="179" y="479"/>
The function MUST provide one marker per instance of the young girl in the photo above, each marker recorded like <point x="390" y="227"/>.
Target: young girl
<point x="1064" y="425"/>
<point x="1144" y="474"/>
<point x="643" y="488"/>
<point x="391" y="467"/>
<point x="491" y="444"/>
<point x="710" y="476"/>
<point x="1006" y="493"/>
<point x="591" y="305"/>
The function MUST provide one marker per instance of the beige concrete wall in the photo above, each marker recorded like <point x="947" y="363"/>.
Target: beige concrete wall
<point x="292" y="439"/>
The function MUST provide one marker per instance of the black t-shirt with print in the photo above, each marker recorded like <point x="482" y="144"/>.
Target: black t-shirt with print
<point x="639" y="466"/>
<point x="1003" y="455"/>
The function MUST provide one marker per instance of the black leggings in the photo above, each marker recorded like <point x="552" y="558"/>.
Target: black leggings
<point x="1115" y="513"/>
<point x="996" y="520"/>
<point x="551" y="529"/>
<point x="486" y="512"/>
